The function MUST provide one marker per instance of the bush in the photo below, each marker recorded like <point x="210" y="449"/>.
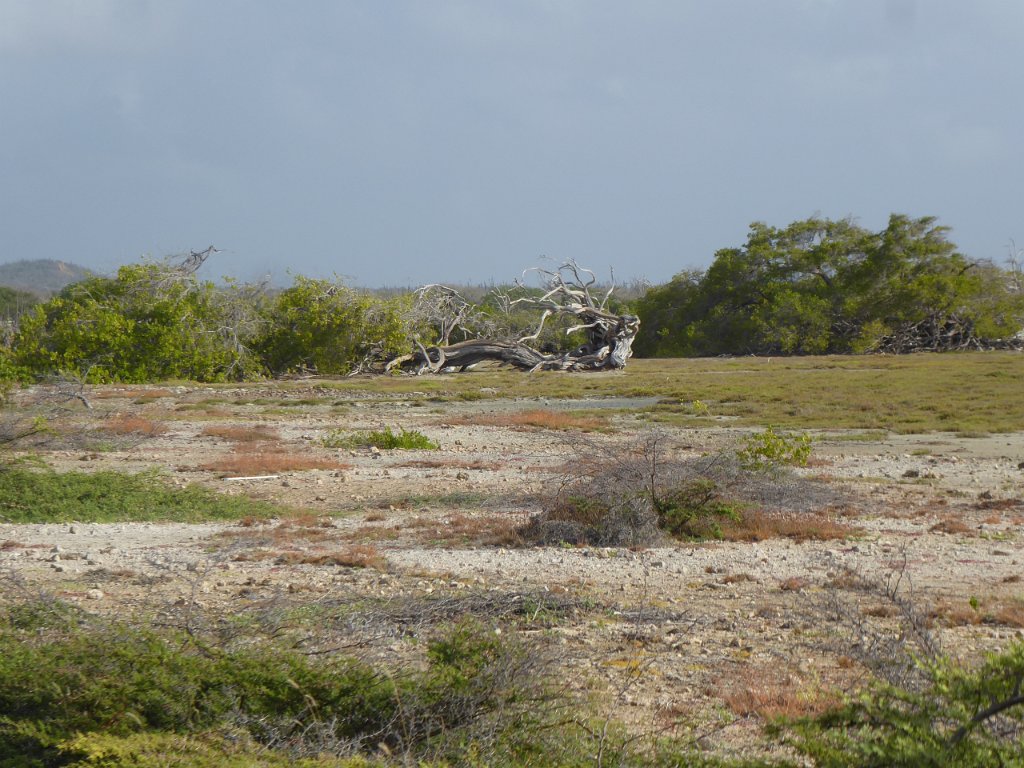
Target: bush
<point x="81" y="691"/>
<point x="961" y="716"/>
<point x="152" y="322"/>
<point x="327" y="327"/>
<point x="769" y="450"/>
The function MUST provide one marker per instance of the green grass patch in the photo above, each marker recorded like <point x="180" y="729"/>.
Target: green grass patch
<point x="45" y="496"/>
<point x="385" y="439"/>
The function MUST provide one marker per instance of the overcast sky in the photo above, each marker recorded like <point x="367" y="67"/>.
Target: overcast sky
<point x="402" y="142"/>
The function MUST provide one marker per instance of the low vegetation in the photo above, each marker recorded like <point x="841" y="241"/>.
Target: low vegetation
<point x="384" y="439"/>
<point x="29" y="495"/>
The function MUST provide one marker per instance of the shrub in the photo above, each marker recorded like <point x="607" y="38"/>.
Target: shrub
<point x="73" y="687"/>
<point x="961" y="716"/>
<point x="768" y="450"/>
<point x="694" y="510"/>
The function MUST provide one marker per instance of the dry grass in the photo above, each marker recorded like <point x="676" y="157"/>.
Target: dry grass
<point x="353" y="556"/>
<point x="140" y="395"/>
<point x="540" y="418"/>
<point x="451" y="463"/>
<point x="758" y="525"/>
<point x="737" y="578"/>
<point x="134" y="425"/>
<point x="771" y="694"/>
<point x="1005" y="612"/>
<point x="951" y="525"/>
<point x="794" y="584"/>
<point x="241" y="434"/>
<point x="463" y="529"/>
<point x="263" y="459"/>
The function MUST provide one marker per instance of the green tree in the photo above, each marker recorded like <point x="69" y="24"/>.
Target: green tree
<point x="326" y="326"/>
<point x="823" y="286"/>
<point x="150" y="322"/>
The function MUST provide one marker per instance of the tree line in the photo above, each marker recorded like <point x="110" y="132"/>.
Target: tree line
<point x="822" y="286"/>
<point x="817" y="286"/>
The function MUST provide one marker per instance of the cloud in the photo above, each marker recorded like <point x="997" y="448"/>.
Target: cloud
<point x="82" y="25"/>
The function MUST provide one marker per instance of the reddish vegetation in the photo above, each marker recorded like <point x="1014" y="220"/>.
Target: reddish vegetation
<point x="756" y="525"/>
<point x="241" y="434"/>
<point x="262" y="459"/>
<point x="134" y="425"/>
<point x="950" y="525"/>
<point x="766" y="693"/>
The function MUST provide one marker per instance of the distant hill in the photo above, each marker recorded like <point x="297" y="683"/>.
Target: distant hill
<point x="41" y="276"/>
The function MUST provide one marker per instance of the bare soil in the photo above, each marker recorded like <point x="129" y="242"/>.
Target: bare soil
<point x="704" y="639"/>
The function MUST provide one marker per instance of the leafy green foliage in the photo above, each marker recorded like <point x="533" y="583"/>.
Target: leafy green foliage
<point x="694" y="510"/>
<point x="150" y="323"/>
<point x="962" y="716"/>
<point x="384" y="439"/>
<point x="44" y="496"/>
<point x="821" y="286"/>
<point x="325" y="326"/>
<point x="768" y="450"/>
<point x="77" y="690"/>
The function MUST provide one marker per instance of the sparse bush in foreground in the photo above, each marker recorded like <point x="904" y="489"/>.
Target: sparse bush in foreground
<point x="961" y="716"/>
<point x="75" y="690"/>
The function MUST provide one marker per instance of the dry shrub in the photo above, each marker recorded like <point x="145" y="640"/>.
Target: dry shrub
<point x="268" y="460"/>
<point x="372" y="533"/>
<point x="794" y="584"/>
<point x="1010" y="613"/>
<point x="239" y="434"/>
<point x="950" y="525"/>
<point x="999" y="504"/>
<point x="758" y="525"/>
<point x="540" y="418"/>
<point x="464" y="529"/>
<point x="1013" y="579"/>
<point x="993" y="611"/>
<point x="354" y="556"/>
<point x="770" y="694"/>
<point x="303" y="529"/>
<point x="134" y="425"/>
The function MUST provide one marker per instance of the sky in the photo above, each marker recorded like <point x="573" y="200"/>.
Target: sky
<point x="402" y="142"/>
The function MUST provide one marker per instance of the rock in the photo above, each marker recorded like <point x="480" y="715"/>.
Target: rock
<point x="94" y="594"/>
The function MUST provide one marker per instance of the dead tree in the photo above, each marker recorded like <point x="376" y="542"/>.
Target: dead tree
<point x="609" y="337"/>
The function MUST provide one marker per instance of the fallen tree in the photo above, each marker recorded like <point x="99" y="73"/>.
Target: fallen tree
<point x="568" y="294"/>
<point x="941" y="333"/>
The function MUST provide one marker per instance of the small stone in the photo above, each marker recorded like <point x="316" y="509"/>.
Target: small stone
<point x="94" y="594"/>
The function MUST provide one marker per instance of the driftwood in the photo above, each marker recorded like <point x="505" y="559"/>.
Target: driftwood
<point x="608" y="345"/>
<point x="941" y="333"/>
